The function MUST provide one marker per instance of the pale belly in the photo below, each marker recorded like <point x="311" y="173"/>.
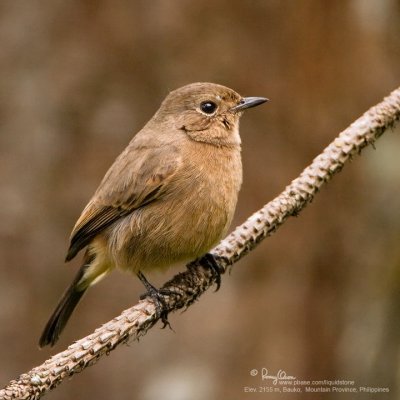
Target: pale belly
<point x="167" y="233"/>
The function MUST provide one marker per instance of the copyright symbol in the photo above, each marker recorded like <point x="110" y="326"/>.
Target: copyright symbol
<point x="253" y="372"/>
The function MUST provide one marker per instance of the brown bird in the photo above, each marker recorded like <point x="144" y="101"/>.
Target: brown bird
<point x="168" y="198"/>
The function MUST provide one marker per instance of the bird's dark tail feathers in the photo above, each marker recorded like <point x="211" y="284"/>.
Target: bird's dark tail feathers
<point x="64" y="309"/>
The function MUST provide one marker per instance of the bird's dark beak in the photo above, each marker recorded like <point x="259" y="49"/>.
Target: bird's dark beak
<point x="248" y="102"/>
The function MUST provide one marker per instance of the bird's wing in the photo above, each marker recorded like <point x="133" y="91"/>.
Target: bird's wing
<point x="137" y="178"/>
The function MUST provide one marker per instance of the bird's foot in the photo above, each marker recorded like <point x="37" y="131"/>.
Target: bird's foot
<point x="158" y="298"/>
<point x="211" y="261"/>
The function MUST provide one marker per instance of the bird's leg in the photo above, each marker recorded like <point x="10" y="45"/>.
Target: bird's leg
<point x="158" y="298"/>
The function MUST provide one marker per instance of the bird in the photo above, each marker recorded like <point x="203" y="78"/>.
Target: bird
<point x="167" y="199"/>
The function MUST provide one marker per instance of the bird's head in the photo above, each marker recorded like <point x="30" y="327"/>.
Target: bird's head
<point x="207" y="112"/>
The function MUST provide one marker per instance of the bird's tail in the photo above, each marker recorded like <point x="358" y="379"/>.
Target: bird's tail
<point x="90" y="273"/>
<point x="64" y="309"/>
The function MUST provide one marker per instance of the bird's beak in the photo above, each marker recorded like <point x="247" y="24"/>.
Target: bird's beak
<point x="248" y="102"/>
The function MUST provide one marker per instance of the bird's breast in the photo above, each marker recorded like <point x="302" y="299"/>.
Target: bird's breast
<point x="204" y="202"/>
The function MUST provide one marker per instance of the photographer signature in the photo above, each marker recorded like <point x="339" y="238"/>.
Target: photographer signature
<point x="280" y="376"/>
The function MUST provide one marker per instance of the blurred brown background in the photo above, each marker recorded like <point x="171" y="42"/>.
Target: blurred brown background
<point x="320" y="299"/>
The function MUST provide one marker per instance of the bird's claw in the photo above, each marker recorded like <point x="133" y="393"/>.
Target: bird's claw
<point x="158" y="298"/>
<point x="211" y="261"/>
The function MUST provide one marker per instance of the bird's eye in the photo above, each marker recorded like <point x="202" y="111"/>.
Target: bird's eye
<point x="208" y="107"/>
